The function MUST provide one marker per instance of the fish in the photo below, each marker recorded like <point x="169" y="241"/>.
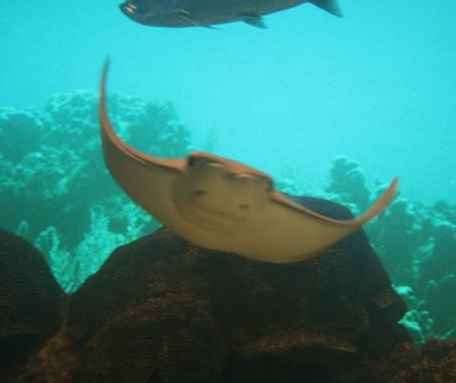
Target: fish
<point x="222" y="204"/>
<point x="207" y="13"/>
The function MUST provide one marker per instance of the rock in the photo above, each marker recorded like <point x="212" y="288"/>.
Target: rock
<point x="163" y="310"/>
<point x="30" y="301"/>
<point x="435" y="362"/>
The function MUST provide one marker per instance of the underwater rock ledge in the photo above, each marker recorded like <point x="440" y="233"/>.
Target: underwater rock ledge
<point x="162" y="310"/>
<point x="31" y="302"/>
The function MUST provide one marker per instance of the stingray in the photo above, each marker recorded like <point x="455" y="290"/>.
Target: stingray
<point x="221" y="204"/>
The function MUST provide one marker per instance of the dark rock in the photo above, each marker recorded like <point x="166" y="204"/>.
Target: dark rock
<point x="30" y="301"/>
<point x="435" y="362"/>
<point x="163" y="310"/>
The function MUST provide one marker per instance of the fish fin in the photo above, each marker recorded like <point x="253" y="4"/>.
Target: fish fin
<point x="186" y="16"/>
<point x="208" y="26"/>
<point x="253" y="19"/>
<point x="330" y="6"/>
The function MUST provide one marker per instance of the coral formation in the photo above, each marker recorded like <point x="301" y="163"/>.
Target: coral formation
<point x="417" y="245"/>
<point x="55" y="189"/>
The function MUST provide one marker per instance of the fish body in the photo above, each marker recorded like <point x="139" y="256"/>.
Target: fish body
<point x="205" y="13"/>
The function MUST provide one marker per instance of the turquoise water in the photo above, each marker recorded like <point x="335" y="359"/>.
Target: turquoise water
<point x="377" y="85"/>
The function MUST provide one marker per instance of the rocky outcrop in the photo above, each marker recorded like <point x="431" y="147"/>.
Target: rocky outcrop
<point x="31" y="302"/>
<point x="162" y="310"/>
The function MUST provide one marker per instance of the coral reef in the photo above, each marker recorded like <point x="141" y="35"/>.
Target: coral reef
<point x="56" y="191"/>
<point x="347" y="183"/>
<point x="417" y="245"/>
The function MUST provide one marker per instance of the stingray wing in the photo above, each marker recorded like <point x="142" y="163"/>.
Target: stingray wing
<point x="146" y="179"/>
<point x="295" y="232"/>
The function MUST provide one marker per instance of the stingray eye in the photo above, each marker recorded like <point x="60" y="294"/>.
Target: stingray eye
<point x="200" y="192"/>
<point x="197" y="161"/>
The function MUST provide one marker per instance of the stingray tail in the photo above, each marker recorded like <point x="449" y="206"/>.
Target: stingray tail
<point x="330" y="6"/>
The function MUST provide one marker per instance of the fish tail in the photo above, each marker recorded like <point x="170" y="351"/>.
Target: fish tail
<point x="330" y="6"/>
